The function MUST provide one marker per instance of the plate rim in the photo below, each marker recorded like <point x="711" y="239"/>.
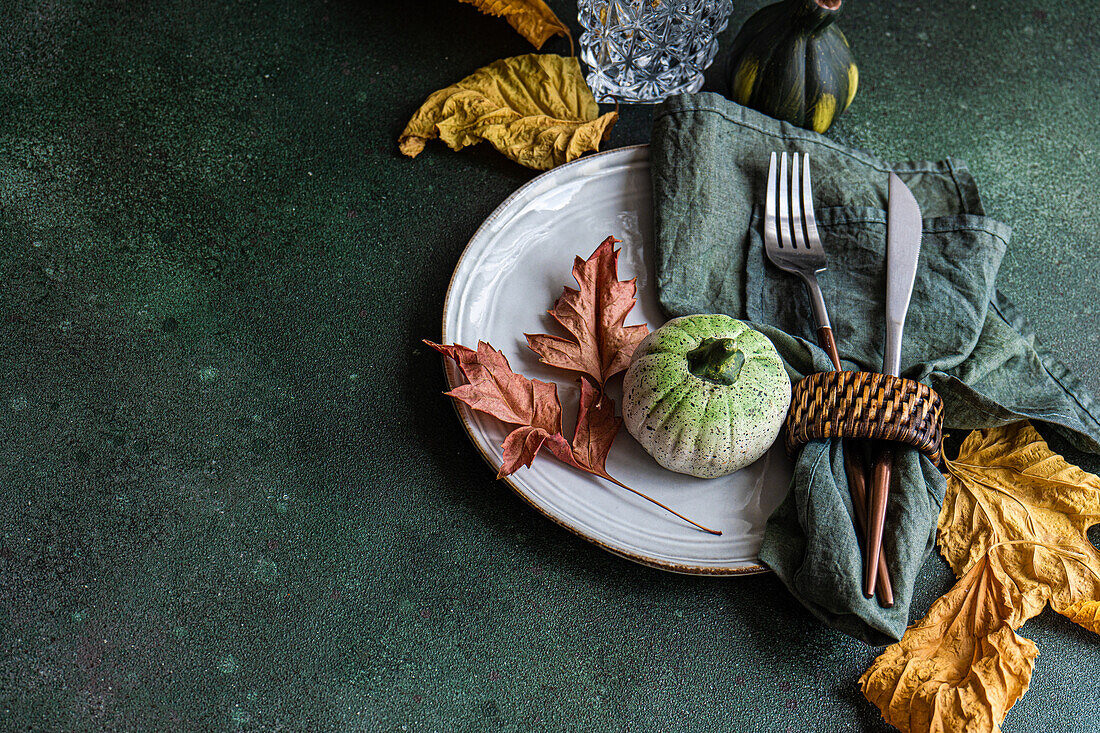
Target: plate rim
<point x="685" y="569"/>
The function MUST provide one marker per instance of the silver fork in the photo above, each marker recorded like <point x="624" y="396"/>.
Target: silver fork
<point x="792" y="244"/>
<point x="791" y="240"/>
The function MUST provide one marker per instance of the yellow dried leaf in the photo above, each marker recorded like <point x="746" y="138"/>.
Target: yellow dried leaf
<point x="961" y="667"/>
<point x="1013" y="526"/>
<point x="533" y="19"/>
<point x="1085" y="613"/>
<point x="1008" y="488"/>
<point x="536" y="109"/>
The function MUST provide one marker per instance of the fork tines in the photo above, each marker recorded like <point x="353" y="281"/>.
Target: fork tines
<point x="789" y="222"/>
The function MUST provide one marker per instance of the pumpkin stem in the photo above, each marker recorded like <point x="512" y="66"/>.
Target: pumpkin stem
<point x="716" y="360"/>
<point x="814" y="16"/>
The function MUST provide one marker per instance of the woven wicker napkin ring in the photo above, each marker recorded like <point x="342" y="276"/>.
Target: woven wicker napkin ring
<point x="865" y="405"/>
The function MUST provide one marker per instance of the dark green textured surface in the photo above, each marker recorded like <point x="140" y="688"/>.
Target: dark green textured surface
<point x="231" y="497"/>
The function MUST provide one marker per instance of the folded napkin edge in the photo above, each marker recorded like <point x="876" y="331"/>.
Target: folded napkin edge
<point x="843" y="215"/>
<point x="761" y="123"/>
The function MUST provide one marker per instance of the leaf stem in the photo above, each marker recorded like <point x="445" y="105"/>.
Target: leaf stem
<point x="648" y="498"/>
<point x="1068" y="551"/>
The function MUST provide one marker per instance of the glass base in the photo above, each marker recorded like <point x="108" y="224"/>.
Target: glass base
<point x="607" y="90"/>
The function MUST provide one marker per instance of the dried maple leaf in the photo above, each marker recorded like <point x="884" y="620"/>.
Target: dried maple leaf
<point x="1007" y="487"/>
<point x="535" y="109"/>
<point x="532" y="407"/>
<point x="520" y="448"/>
<point x="962" y="666"/>
<point x="596" y="428"/>
<point x="592" y="438"/>
<point x="595" y="431"/>
<point x="493" y="388"/>
<point x="532" y="19"/>
<point x="593" y="314"/>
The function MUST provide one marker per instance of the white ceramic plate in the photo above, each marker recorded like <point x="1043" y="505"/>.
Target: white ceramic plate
<point x="512" y="271"/>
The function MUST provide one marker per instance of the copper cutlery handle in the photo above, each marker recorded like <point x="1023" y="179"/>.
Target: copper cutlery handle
<point x="880" y="491"/>
<point x="857" y="484"/>
<point x="826" y="341"/>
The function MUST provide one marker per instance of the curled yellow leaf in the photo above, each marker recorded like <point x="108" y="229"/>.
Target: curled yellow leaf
<point x="1084" y="612"/>
<point x="1013" y="526"/>
<point x="536" y="109"/>
<point x="532" y="19"/>
<point x="1008" y="488"/>
<point x="962" y="666"/>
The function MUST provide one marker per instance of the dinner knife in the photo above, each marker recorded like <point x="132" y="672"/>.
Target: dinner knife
<point x="903" y="231"/>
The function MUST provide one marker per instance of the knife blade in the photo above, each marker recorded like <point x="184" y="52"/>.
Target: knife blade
<point x="903" y="234"/>
<point x="903" y="228"/>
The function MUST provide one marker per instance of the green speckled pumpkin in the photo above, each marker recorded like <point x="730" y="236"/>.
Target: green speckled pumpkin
<point x="791" y="61"/>
<point x="706" y="395"/>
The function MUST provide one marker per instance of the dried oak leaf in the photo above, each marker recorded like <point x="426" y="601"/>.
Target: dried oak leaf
<point x="532" y="19"/>
<point x="593" y="314"/>
<point x="962" y="666"/>
<point x="1008" y="488"/>
<point x="535" y="109"/>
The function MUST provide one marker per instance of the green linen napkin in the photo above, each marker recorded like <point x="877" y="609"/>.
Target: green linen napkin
<point x="710" y="165"/>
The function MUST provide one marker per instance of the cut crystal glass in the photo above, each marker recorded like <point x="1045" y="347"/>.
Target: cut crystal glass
<point x="646" y="50"/>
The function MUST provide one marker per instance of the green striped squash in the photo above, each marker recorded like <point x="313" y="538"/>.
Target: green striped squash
<point x="792" y="62"/>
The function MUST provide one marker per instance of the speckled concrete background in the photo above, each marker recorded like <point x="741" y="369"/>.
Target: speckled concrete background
<point x="231" y="495"/>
